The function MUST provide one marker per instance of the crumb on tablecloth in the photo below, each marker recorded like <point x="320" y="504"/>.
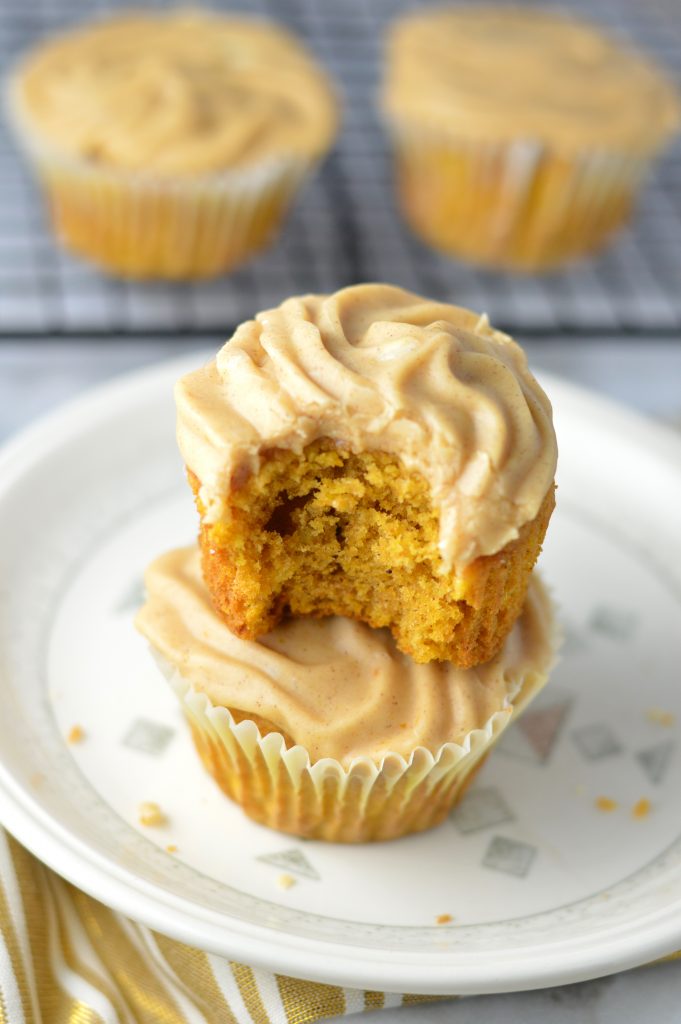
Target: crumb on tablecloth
<point x="443" y="919"/>
<point x="286" y="881"/>
<point x="150" y="814"/>
<point x="76" y="734"/>
<point x="606" y="803"/>
<point x="642" y="808"/>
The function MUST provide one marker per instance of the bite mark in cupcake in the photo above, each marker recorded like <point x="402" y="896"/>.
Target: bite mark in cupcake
<point x="372" y="454"/>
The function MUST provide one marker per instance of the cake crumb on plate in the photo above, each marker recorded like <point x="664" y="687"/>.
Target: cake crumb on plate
<point x="660" y="717"/>
<point x="286" y="881"/>
<point x="150" y="814"/>
<point x="443" y="919"/>
<point x="606" y="803"/>
<point x="641" y="808"/>
<point x="76" y="734"/>
<point x="171" y="848"/>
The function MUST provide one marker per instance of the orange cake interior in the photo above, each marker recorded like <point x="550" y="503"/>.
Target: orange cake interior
<point x="331" y="532"/>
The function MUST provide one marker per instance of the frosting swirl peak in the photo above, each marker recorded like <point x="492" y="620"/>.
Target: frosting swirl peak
<point x="377" y="368"/>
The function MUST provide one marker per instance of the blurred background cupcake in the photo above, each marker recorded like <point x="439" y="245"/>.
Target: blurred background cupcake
<point x="171" y="144"/>
<point x="521" y="136"/>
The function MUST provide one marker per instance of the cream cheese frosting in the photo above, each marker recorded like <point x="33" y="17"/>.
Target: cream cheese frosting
<point x="337" y="687"/>
<point x="374" y="367"/>
<point x="498" y="73"/>
<point x="177" y="93"/>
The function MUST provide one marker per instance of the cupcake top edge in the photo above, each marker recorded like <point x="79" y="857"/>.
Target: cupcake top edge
<point x="336" y="687"/>
<point x="499" y="74"/>
<point x="177" y="93"/>
<point x="376" y="368"/>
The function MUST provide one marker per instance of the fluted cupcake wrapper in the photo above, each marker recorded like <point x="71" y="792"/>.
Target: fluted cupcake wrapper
<point x="520" y="204"/>
<point x="367" y="800"/>
<point x="137" y="225"/>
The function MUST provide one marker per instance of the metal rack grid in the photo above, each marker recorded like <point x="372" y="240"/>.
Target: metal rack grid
<point x="345" y="227"/>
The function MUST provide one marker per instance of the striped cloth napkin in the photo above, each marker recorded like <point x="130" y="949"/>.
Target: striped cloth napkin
<point x="67" y="959"/>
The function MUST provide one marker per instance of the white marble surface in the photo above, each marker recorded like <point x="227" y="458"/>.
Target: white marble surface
<point x="36" y="376"/>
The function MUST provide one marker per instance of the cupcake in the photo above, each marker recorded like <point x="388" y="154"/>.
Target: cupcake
<point x="323" y="728"/>
<point x="171" y="144"/>
<point x="375" y="455"/>
<point x="521" y="136"/>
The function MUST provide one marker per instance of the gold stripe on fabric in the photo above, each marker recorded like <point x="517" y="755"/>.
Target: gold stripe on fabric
<point x="4" y="1019"/>
<point x="664" y="959"/>
<point x="408" y="999"/>
<point x="79" y="1013"/>
<point x="70" y="957"/>
<point x="306" y="1001"/>
<point x="56" y="1005"/>
<point x="194" y="970"/>
<point x="140" y="987"/>
<point x="250" y="993"/>
<point x="8" y="930"/>
<point x="70" y="1009"/>
<point x="374" y="1000"/>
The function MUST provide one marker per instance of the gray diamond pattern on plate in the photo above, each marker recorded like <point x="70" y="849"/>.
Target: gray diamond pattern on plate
<point x="510" y="856"/>
<point x="616" y="623"/>
<point x="655" y="760"/>
<point x="596" y="741"/>
<point x="132" y="599"/>
<point x="534" y="735"/>
<point x="147" y="736"/>
<point x="290" y="860"/>
<point x="482" y="808"/>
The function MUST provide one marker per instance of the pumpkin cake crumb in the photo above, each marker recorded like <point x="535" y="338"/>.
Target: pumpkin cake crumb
<point x="150" y="814"/>
<point x="641" y="808"/>
<point x="658" y="716"/>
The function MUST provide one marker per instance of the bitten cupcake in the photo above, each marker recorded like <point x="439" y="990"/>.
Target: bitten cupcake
<point x="521" y="136"/>
<point x="171" y="144"/>
<point x="323" y="728"/>
<point x="376" y="455"/>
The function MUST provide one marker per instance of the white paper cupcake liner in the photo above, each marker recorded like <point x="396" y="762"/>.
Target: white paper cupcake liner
<point x="516" y="206"/>
<point x="363" y="801"/>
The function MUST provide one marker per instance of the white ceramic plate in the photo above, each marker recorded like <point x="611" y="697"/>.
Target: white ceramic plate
<point x="542" y="885"/>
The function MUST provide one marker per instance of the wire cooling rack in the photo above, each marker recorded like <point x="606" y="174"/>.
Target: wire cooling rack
<point x="345" y="227"/>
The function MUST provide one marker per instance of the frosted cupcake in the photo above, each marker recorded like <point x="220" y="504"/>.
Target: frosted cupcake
<point x="521" y="136"/>
<point x="372" y="454"/>
<point x="322" y="728"/>
<point x="171" y="144"/>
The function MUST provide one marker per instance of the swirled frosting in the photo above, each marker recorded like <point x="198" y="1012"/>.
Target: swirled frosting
<point x="498" y="73"/>
<point x="335" y="686"/>
<point x="177" y="93"/>
<point x="377" y="368"/>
